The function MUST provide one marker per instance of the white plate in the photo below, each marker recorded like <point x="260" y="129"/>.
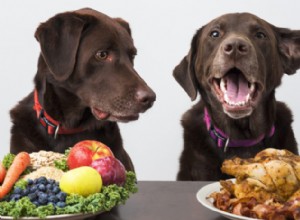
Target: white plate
<point x="57" y="217"/>
<point x="205" y="191"/>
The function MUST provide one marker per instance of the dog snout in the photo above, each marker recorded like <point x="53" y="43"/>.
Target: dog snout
<point x="236" y="46"/>
<point x="145" y="97"/>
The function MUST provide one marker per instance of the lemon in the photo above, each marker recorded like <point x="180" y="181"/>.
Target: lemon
<point x="82" y="181"/>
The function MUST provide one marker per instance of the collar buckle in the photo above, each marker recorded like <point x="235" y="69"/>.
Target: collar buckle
<point x="48" y="125"/>
<point x="221" y="141"/>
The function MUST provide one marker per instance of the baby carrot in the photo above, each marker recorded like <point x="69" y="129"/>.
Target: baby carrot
<point x="2" y="172"/>
<point x="19" y="164"/>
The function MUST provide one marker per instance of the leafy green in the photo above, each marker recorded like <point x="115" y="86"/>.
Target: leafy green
<point x="7" y="160"/>
<point x="109" y="197"/>
<point x="21" y="184"/>
<point x="61" y="164"/>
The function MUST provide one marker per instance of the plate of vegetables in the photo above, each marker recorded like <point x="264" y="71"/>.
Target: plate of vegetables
<point x="38" y="186"/>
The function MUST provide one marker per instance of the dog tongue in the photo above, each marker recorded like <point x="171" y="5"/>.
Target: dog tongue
<point x="237" y="87"/>
<point x="100" y="114"/>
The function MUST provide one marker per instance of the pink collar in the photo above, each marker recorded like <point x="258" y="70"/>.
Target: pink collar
<point x="223" y="139"/>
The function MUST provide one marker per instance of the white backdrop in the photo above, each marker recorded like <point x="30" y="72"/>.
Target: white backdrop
<point x="162" y="31"/>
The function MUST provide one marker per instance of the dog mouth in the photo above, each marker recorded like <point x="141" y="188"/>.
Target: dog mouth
<point x="102" y="115"/>
<point x="236" y="93"/>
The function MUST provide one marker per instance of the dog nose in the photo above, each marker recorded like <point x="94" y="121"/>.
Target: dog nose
<point x="236" y="46"/>
<point x="145" y="97"/>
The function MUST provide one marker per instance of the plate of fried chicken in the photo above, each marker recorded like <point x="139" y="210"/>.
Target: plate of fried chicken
<point x="265" y="187"/>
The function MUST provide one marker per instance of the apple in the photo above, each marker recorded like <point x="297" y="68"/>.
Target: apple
<point x="111" y="170"/>
<point x="82" y="181"/>
<point x="85" y="152"/>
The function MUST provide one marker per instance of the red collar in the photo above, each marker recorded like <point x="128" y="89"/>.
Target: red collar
<point x="53" y="127"/>
<point x="223" y="140"/>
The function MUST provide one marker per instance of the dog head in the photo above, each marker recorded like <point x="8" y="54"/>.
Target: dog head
<point x="236" y="61"/>
<point x="89" y="55"/>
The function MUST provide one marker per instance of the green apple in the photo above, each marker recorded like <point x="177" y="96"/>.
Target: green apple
<point x="82" y="181"/>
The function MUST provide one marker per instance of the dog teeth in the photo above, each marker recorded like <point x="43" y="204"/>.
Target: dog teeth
<point x="223" y="85"/>
<point x="241" y="103"/>
<point x="232" y="103"/>
<point x="252" y="87"/>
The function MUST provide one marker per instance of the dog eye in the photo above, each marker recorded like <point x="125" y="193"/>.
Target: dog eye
<point x="101" y="55"/>
<point x="260" y="35"/>
<point x="214" y="34"/>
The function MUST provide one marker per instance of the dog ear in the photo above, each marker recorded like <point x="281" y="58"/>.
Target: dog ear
<point x="59" y="39"/>
<point x="124" y="24"/>
<point x="289" y="46"/>
<point x="184" y="72"/>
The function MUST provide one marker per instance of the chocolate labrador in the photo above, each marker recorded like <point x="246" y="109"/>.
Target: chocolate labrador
<point x="235" y="62"/>
<point x="85" y="84"/>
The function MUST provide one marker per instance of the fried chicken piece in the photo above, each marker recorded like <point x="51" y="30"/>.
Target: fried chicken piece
<point x="271" y="174"/>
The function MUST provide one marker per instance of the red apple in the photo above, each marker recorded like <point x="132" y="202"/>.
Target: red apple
<point x="83" y="153"/>
<point x="111" y="170"/>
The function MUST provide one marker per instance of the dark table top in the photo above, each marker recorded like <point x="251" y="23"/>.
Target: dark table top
<point x="163" y="200"/>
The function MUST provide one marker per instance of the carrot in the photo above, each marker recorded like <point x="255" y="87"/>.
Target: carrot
<point x="19" y="164"/>
<point x="2" y="172"/>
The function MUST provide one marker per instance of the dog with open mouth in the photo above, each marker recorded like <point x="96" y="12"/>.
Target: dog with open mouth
<point x="85" y="84"/>
<point x="235" y="63"/>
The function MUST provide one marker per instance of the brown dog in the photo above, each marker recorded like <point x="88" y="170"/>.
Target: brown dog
<point x="235" y="62"/>
<point x="85" y="83"/>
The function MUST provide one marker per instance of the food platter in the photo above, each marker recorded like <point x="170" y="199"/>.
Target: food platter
<point x="57" y="217"/>
<point x="202" y="197"/>
<point x="39" y="191"/>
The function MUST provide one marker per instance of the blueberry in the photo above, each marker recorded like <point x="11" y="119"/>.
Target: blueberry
<point x="43" y="199"/>
<point x="42" y="180"/>
<point x="56" y="189"/>
<point x="51" y="181"/>
<point x="61" y="204"/>
<point x="17" y="190"/>
<point x="51" y="193"/>
<point x="35" y="181"/>
<point x="36" y="203"/>
<point x="39" y="193"/>
<point x="32" y="196"/>
<point x="53" y="199"/>
<point x="49" y="187"/>
<point x="25" y="192"/>
<point x="15" y="197"/>
<point x="42" y="187"/>
<point x="33" y="188"/>
<point x="61" y="196"/>
<point x="29" y="182"/>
